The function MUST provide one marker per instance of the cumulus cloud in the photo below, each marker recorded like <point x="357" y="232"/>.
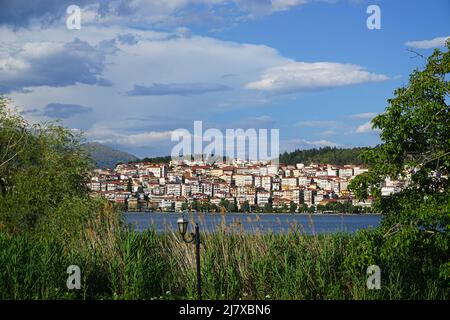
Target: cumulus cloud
<point x="428" y="44"/>
<point x="161" y="89"/>
<point x="22" y="13"/>
<point x="366" y="128"/>
<point x="172" y="70"/>
<point x="51" y="64"/>
<point x="303" y="76"/>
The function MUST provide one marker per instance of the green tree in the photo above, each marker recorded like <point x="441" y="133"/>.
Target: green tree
<point x="415" y="135"/>
<point x="44" y="175"/>
<point x="245" y="206"/>
<point x="414" y="237"/>
<point x="224" y="204"/>
<point x="196" y="205"/>
<point x="268" y="207"/>
<point x="292" y="207"/>
<point x="232" y="206"/>
<point x="303" y="208"/>
<point x="311" y="209"/>
<point x="129" y="185"/>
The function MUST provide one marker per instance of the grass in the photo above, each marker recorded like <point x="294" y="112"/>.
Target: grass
<point x="119" y="264"/>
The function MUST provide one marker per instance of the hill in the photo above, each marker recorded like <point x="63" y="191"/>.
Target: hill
<point x="332" y="155"/>
<point x="338" y="156"/>
<point x="107" y="157"/>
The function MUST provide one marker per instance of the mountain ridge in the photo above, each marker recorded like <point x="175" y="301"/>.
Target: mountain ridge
<point x="104" y="156"/>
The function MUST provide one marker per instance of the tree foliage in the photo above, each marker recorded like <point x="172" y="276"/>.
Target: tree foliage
<point x="413" y="242"/>
<point x="415" y="134"/>
<point x="338" y="156"/>
<point x="43" y="172"/>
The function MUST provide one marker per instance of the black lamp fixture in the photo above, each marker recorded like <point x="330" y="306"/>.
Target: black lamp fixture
<point x="183" y="223"/>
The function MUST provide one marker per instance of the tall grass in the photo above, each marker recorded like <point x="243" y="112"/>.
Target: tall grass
<point x="120" y="264"/>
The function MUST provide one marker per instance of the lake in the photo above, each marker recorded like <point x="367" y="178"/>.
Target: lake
<point x="251" y="223"/>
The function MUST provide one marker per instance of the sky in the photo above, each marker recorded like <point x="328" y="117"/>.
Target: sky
<point x="137" y="70"/>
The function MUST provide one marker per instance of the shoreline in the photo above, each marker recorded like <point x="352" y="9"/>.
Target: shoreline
<point x="258" y="213"/>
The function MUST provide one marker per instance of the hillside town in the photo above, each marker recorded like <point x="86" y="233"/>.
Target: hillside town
<point x="246" y="186"/>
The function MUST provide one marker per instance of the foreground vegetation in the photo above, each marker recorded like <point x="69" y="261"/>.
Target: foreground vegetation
<point x="127" y="265"/>
<point x="49" y="221"/>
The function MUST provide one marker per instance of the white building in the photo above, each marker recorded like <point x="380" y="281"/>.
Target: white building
<point x="262" y="197"/>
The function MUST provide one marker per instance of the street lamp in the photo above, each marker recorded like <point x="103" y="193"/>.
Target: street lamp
<point x="182" y="223"/>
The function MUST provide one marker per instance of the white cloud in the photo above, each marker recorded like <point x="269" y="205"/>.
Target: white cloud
<point x="167" y="13"/>
<point x="366" y="128"/>
<point x="298" y="143"/>
<point x="162" y="89"/>
<point x="303" y="76"/>
<point x="51" y="64"/>
<point x="281" y="5"/>
<point x="365" y="115"/>
<point x="428" y="44"/>
<point x="143" y="139"/>
<point x="141" y="57"/>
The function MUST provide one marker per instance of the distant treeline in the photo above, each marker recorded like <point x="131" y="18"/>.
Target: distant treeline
<point x="338" y="156"/>
<point x="333" y="155"/>
<point x="165" y="159"/>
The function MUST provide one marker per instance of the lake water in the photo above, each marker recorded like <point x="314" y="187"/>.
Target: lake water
<point x="250" y="223"/>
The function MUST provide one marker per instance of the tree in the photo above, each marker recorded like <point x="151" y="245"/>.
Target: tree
<point x="323" y="155"/>
<point x="213" y="207"/>
<point x="311" y="209"/>
<point x="245" y="206"/>
<point x="415" y="132"/>
<point x="292" y="206"/>
<point x="268" y="207"/>
<point x="415" y="135"/>
<point x="232" y="206"/>
<point x="224" y="204"/>
<point x="44" y="171"/>
<point x="130" y="185"/>
<point x="303" y="208"/>
<point x="196" y="206"/>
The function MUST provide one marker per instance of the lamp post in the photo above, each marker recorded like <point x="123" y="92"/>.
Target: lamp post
<point x="195" y="237"/>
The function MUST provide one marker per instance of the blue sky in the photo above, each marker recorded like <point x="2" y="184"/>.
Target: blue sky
<point x="137" y="70"/>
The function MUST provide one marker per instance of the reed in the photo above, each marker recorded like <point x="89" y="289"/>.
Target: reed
<point x="120" y="264"/>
